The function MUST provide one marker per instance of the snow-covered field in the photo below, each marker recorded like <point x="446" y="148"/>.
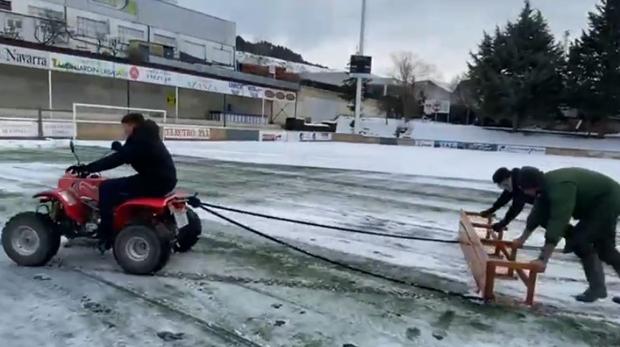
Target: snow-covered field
<point x="427" y="130"/>
<point x="234" y="284"/>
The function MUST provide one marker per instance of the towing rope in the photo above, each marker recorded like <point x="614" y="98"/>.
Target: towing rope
<point x="345" y="229"/>
<point x="194" y="202"/>
<point x="331" y="227"/>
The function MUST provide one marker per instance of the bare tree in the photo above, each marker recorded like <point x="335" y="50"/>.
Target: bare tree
<point x="408" y="69"/>
<point x="463" y="95"/>
<point x="51" y="29"/>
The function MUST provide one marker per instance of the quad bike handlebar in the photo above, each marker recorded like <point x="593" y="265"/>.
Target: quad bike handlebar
<point x="73" y="172"/>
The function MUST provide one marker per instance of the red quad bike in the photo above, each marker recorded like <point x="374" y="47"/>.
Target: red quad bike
<point x="146" y="229"/>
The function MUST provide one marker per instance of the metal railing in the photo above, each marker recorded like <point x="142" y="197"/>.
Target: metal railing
<point x="237" y="118"/>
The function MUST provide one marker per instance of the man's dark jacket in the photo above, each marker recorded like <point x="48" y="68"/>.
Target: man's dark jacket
<point x="146" y="153"/>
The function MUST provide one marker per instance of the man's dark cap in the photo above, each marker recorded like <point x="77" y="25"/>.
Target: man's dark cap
<point x="500" y="175"/>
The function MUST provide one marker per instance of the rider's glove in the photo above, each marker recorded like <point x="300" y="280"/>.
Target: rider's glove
<point x="486" y="213"/>
<point x="499" y="226"/>
<point x="194" y="202"/>
<point x="77" y="170"/>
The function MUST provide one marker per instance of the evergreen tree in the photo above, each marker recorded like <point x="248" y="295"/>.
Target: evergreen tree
<point x="593" y="72"/>
<point x="517" y="73"/>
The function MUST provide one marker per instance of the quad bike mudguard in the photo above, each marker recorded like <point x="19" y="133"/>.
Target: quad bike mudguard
<point x="157" y="206"/>
<point x="73" y="208"/>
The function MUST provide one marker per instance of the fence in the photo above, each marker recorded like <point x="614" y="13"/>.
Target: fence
<point x="39" y="123"/>
<point x="236" y="118"/>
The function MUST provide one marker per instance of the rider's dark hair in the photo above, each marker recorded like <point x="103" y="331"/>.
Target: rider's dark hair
<point x="133" y="118"/>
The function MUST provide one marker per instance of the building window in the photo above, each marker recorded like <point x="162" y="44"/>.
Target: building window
<point x="118" y="4"/>
<point x="12" y="28"/>
<point x="127" y="34"/>
<point x="46" y="13"/>
<point x="5" y="5"/>
<point x="165" y="40"/>
<point x="196" y="50"/>
<point x="92" y="28"/>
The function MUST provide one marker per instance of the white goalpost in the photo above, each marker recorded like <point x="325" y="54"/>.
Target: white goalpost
<point x="109" y="114"/>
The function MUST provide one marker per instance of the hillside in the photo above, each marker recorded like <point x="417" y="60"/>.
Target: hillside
<point x="268" y="49"/>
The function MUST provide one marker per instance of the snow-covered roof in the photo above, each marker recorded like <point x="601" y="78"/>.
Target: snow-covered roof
<point x="250" y="58"/>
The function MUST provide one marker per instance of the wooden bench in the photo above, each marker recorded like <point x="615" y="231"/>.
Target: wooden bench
<point x="491" y="257"/>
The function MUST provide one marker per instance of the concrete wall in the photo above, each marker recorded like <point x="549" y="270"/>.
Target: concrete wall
<point x="194" y="104"/>
<point x="319" y="105"/>
<point x="28" y="88"/>
<point x="23" y="87"/>
<point x="153" y="96"/>
<point x="242" y="104"/>
<point x="323" y="105"/>
<point x="280" y="111"/>
<point x="93" y="131"/>
<point x="100" y="132"/>
<point x="72" y="88"/>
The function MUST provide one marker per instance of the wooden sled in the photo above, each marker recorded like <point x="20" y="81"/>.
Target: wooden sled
<point x="490" y="257"/>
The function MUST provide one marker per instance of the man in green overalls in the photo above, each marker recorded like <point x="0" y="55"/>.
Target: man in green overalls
<point x="591" y="198"/>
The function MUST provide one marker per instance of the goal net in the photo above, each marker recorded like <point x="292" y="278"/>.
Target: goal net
<point x="108" y="114"/>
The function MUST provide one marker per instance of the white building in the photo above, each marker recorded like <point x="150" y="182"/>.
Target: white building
<point x="107" y="26"/>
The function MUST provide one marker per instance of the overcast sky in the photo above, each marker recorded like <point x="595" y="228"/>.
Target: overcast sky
<point x="441" y="32"/>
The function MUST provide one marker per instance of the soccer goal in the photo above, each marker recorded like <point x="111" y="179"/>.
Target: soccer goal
<point x="109" y="114"/>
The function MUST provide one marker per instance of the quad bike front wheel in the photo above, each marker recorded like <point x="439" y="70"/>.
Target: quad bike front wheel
<point x="189" y="235"/>
<point x="140" y="251"/>
<point x="29" y="239"/>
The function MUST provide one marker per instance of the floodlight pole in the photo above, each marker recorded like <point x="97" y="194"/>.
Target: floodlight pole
<point x="358" y="91"/>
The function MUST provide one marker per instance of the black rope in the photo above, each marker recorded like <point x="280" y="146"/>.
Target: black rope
<point x="350" y="230"/>
<point x="207" y="208"/>
<point x="331" y="227"/>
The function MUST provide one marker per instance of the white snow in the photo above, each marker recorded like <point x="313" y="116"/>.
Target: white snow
<point x="33" y="144"/>
<point x="427" y="130"/>
<point x="250" y="58"/>
<point x="450" y="168"/>
<point x="374" y="127"/>
<point x="468" y="133"/>
<point x="433" y="162"/>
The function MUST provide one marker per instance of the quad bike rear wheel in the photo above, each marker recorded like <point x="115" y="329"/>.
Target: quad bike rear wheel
<point x="189" y="235"/>
<point x="140" y="251"/>
<point x="30" y="239"/>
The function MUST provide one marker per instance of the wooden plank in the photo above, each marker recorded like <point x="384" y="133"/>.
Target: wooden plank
<point x="514" y="265"/>
<point x="472" y="258"/>
<point x="481" y="225"/>
<point x="507" y="244"/>
<point x="475" y="255"/>
<point x="531" y="287"/>
<point x="490" y="283"/>
<point x="522" y="275"/>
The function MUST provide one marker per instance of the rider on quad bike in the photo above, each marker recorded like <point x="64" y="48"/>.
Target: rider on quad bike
<point x="146" y="153"/>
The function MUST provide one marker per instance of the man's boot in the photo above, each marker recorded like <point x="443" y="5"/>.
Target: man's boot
<point x="593" y="269"/>
<point x="617" y="299"/>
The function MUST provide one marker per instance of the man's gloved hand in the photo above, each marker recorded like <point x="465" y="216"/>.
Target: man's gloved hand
<point x="499" y="226"/>
<point x="116" y="146"/>
<point x="80" y="170"/>
<point x="486" y="213"/>
<point x="194" y="202"/>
